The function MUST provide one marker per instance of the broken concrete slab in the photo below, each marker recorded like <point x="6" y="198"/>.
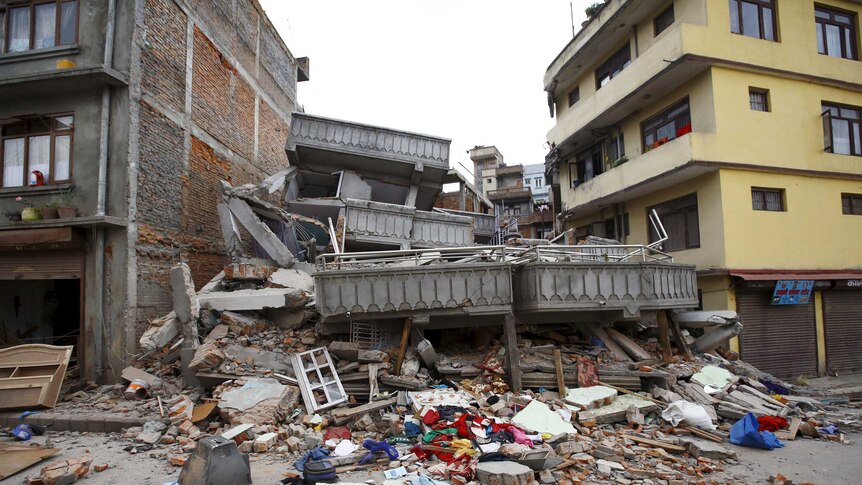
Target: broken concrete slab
<point x="537" y="417"/>
<point x="185" y="299"/>
<point x="590" y="397"/>
<point x="616" y="411"/>
<point x="160" y="332"/>
<point x="287" y="319"/>
<point x="247" y="300"/>
<point x="504" y="473"/>
<point x="251" y="393"/>
<point x="291" y="278"/>
<point x="260" y="232"/>
<point x="241" y="324"/>
<point x="344" y="350"/>
<point x="701" y="447"/>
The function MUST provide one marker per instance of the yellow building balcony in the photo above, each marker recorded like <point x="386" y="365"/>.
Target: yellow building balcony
<point x="661" y="167"/>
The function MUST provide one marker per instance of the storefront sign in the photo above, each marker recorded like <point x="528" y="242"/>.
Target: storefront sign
<point x="792" y="292"/>
<point x="852" y="284"/>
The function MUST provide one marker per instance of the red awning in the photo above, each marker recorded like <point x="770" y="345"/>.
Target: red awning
<point x="791" y="274"/>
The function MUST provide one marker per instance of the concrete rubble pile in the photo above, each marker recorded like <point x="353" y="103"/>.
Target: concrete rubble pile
<point x="446" y="361"/>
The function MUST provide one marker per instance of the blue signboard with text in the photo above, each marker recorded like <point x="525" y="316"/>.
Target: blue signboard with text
<point x="792" y="292"/>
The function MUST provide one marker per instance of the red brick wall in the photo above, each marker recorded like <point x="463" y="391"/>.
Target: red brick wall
<point x="180" y="173"/>
<point x="222" y="102"/>
<point x="452" y="201"/>
<point x="163" y="60"/>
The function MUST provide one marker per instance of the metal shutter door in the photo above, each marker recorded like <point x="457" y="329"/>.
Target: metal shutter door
<point x="778" y="339"/>
<point x="42" y="265"/>
<point x="842" y="316"/>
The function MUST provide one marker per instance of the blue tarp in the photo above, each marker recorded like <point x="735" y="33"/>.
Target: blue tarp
<point x="744" y="433"/>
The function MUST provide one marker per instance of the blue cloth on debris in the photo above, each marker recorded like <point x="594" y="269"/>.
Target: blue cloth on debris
<point x="411" y="429"/>
<point x="745" y="433"/>
<point x="375" y="446"/>
<point x="775" y="388"/>
<point x="318" y="453"/>
<point x="831" y="429"/>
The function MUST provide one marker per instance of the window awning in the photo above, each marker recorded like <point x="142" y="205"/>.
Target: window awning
<point x="772" y="274"/>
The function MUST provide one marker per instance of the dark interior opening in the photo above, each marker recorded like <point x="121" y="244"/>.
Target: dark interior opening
<point x="40" y="312"/>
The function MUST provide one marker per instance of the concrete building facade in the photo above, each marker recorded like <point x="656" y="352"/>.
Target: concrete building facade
<point x="141" y="107"/>
<point x="738" y="122"/>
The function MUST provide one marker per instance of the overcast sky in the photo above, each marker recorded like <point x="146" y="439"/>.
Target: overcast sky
<point x="467" y="70"/>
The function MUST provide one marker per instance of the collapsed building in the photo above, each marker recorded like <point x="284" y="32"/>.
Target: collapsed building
<point x="356" y="210"/>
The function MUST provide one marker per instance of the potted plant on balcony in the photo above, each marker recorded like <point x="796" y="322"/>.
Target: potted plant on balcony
<point x="49" y="211"/>
<point x="64" y="202"/>
<point x="29" y="212"/>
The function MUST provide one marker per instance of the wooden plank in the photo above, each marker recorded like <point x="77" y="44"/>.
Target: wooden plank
<point x="513" y="358"/>
<point x="670" y="447"/>
<point x="679" y="339"/>
<point x="17" y="458"/>
<point x="630" y="346"/>
<point x="372" y="406"/>
<point x="561" y="378"/>
<point x="402" y="349"/>
<point x="664" y="337"/>
<point x="611" y="345"/>
<point x="794" y="428"/>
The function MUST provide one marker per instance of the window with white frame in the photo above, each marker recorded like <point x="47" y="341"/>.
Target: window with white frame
<point x="41" y="143"/>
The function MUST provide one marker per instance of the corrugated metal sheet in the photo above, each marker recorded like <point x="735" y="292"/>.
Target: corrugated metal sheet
<point x="41" y="265"/>
<point x="778" y="339"/>
<point x="842" y="317"/>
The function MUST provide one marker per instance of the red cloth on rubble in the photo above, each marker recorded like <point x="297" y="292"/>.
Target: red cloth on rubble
<point x="431" y="417"/>
<point x="771" y="423"/>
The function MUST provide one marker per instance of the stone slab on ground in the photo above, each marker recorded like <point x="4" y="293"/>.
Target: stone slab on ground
<point x="700" y="447"/>
<point x="504" y="473"/>
<point x="590" y="397"/>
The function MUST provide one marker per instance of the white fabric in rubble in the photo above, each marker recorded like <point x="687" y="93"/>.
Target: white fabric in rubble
<point x="692" y="414"/>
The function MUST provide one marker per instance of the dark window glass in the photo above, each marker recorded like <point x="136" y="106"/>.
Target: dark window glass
<point x="753" y="18"/>
<point x="758" y="99"/>
<point x="39" y="25"/>
<point x="670" y="124"/>
<point x="680" y="221"/>
<point x="574" y="95"/>
<point x="842" y="129"/>
<point x="851" y="204"/>
<point x="767" y="199"/>
<point x="2" y="31"/>
<point x="836" y="33"/>
<point x="613" y="66"/>
<point x="45" y="25"/>
<point x="590" y="163"/>
<point x="663" y="20"/>
<point x="68" y="23"/>
<point x="18" y="36"/>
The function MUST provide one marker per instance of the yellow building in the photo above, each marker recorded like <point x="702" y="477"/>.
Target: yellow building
<point x="738" y="121"/>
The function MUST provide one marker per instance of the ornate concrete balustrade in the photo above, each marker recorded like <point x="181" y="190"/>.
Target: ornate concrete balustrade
<point x="627" y="286"/>
<point x="484" y="225"/>
<point x="365" y="140"/>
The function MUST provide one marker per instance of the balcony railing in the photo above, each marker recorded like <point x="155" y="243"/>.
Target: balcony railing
<point x="370" y="141"/>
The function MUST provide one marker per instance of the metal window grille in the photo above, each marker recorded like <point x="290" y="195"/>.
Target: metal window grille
<point x="758" y="100"/>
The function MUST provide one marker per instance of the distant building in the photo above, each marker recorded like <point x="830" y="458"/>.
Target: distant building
<point x="141" y="108"/>
<point x="534" y="178"/>
<point x="509" y="189"/>
<point x="484" y="158"/>
<point x="738" y="122"/>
